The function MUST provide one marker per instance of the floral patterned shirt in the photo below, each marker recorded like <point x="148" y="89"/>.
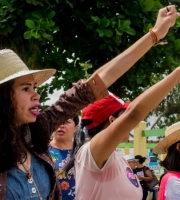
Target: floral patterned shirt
<point x="67" y="182"/>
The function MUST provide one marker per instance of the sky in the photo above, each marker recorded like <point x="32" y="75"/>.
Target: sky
<point x="53" y="97"/>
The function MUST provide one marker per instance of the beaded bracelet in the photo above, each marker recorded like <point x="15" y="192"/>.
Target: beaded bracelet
<point x="154" y="36"/>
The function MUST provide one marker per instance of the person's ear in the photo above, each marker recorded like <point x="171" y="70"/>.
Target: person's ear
<point x="111" y="119"/>
<point x="178" y="146"/>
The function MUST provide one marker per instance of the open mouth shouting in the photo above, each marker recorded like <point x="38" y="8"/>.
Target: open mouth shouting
<point x="35" y="110"/>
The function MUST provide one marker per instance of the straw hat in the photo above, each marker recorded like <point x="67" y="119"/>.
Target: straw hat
<point x="172" y="135"/>
<point x="11" y="67"/>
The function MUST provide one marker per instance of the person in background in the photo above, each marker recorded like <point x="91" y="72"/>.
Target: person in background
<point x="154" y="189"/>
<point x="60" y="149"/>
<point x="170" y="145"/>
<point x="143" y="173"/>
<point x="131" y="161"/>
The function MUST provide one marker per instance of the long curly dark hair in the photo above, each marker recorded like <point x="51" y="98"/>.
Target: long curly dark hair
<point x="11" y="151"/>
<point x="13" y="146"/>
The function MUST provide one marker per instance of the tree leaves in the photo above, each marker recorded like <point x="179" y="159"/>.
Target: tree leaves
<point x="105" y="22"/>
<point x="40" y="28"/>
<point x="27" y="35"/>
<point x="77" y="37"/>
<point x="148" y="5"/>
<point x="177" y="45"/>
<point x="4" y="2"/>
<point x="30" y="24"/>
<point x="51" y="15"/>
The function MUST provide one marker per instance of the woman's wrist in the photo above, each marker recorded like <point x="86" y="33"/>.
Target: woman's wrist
<point x="160" y="32"/>
<point x="154" y="36"/>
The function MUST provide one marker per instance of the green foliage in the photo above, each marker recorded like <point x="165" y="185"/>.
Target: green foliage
<point x="40" y="26"/>
<point x="77" y="37"/>
<point x="168" y="111"/>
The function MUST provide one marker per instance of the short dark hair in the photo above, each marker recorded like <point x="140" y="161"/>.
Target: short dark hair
<point x="140" y="158"/>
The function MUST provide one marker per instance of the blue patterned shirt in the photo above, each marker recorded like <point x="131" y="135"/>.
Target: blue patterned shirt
<point x="67" y="183"/>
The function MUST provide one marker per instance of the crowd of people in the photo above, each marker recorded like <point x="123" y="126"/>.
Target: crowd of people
<point x="144" y="174"/>
<point x="50" y="155"/>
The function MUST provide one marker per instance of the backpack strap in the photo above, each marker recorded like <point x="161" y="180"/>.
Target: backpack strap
<point x="164" y="182"/>
<point x="3" y="178"/>
<point x="144" y="169"/>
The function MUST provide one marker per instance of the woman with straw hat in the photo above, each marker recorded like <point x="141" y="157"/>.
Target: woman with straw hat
<point x="26" y="169"/>
<point x="101" y="173"/>
<point x="170" y="145"/>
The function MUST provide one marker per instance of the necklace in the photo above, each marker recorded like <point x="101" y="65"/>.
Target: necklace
<point x="31" y="180"/>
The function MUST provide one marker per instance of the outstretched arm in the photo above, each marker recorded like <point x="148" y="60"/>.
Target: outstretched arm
<point x="104" y="143"/>
<point x="115" y="68"/>
<point x="80" y="96"/>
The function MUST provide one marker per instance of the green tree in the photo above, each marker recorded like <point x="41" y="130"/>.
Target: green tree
<point x="168" y="111"/>
<point x="76" y="37"/>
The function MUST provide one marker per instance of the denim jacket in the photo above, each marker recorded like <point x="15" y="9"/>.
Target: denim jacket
<point x="73" y="100"/>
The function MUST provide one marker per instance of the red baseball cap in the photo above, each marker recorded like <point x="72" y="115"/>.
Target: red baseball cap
<point x="100" y="110"/>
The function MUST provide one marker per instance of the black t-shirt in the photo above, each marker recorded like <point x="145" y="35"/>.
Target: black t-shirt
<point x="141" y="172"/>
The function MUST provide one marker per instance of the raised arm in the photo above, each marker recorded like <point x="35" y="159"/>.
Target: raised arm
<point x="87" y="91"/>
<point x="69" y="104"/>
<point x="104" y="143"/>
<point x="115" y="68"/>
<point x="94" y="88"/>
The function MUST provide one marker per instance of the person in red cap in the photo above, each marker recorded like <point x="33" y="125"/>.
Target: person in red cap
<point x="115" y="169"/>
<point x="101" y="172"/>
